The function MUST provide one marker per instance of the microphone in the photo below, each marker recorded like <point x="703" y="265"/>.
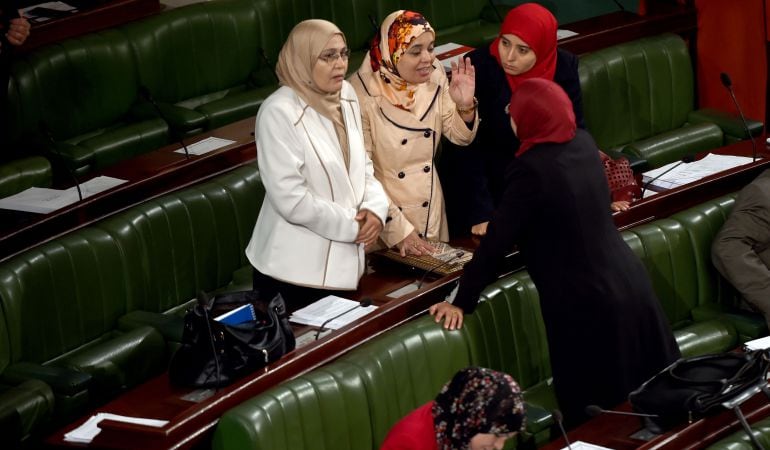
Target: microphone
<point x="559" y="418"/>
<point x="438" y="266"/>
<point x="620" y="5"/>
<point x="728" y="84"/>
<point x="63" y="161"/>
<point x="145" y="93"/>
<point x="364" y="303"/>
<point x="594" y="410"/>
<point x="685" y="159"/>
<point x="497" y="13"/>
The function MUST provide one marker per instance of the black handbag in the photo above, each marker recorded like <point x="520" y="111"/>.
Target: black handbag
<point x="691" y="388"/>
<point x="214" y="354"/>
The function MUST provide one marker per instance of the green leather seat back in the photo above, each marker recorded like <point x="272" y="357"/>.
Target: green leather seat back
<point x="24" y="173"/>
<point x="195" y="50"/>
<point x="413" y="361"/>
<point x="506" y="332"/>
<point x="741" y="441"/>
<point x="459" y="21"/>
<point x="325" y="409"/>
<point x="75" y="86"/>
<point x="182" y="243"/>
<point x="637" y="89"/>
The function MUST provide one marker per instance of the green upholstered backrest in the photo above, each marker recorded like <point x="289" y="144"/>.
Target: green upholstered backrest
<point x="405" y="368"/>
<point x="637" y="89"/>
<point x="739" y="440"/>
<point x="74" y="86"/>
<point x="326" y="409"/>
<point x="677" y="254"/>
<point x="154" y="256"/>
<point x="507" y="333"/>
<point x="197" y="49"/>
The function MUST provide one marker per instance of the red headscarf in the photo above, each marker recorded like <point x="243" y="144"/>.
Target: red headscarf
<point x="536" y="26"/>
<point x="542" y="112"/>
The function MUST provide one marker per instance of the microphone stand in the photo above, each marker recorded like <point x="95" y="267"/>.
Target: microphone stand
<point x="47" y="132"/>
<point x="686" y="159"/>
<point x="145" y="93"/>
<point x="728" y="84"/>
<point x="363" y="304"/>
<point x="559" y="418"/>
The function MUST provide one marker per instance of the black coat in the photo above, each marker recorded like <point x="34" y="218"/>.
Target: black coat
<point x="606" y="329"/>
<point x="473" y="177"/>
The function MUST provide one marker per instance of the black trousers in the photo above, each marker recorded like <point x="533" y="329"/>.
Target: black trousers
<point x="295" y="296"/>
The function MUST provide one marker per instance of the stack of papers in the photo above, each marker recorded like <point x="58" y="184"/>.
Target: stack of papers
<point x="330" y="306"/>
<point x="85" y="433"/>
<point x="43" y="200"/>
<point x="683" y="173"/>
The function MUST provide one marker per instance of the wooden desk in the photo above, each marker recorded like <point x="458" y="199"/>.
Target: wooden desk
<point x="149" y="175"/>
<point x="615" y="431"/>
<point x="92" y="16"/>
<point x="668" y="202"/>
<point x="191" y="423"/>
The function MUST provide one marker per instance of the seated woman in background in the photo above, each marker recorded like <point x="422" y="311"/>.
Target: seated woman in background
<point x="525" y="48"/>
<point x="478" y="409"/>
<point x="407" y="104"/>
<point x="322" y="203"/>
<point x="606" y="329"/>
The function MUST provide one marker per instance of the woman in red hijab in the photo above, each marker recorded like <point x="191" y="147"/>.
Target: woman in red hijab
<point x="473" y="177"/>
<point x="606" y="330"/>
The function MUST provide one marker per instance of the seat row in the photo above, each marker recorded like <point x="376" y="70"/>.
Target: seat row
<point x="352" y="402"/>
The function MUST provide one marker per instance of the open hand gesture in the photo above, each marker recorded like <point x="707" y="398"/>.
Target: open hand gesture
<point x="462" y="87"/>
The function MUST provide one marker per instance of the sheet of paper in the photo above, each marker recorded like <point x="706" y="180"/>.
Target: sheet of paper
<point x="96" y="185"/>
<point x="677" y="173"/>
<point x="44" y="200"/>
<point x="580" y="445"/>
<point x="564" y="34"/>
<point x="330" y="306"/>
<point x="204" y="146"/>
<point x="450" y="52"/>
<point x="86" y="432"/>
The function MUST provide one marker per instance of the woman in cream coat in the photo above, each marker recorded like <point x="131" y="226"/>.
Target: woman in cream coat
<point x="322" y="202"/>
<point x="407" y="104"/>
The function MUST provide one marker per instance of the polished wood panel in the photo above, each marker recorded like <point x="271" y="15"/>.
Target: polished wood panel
<point x="623" y="26"/>
<point x="100" y="16"/>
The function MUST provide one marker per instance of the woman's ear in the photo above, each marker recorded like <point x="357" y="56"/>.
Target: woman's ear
<point x="513" y="126"/>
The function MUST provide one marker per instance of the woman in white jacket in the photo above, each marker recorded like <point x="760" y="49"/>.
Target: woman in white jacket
<point x="322" y="204"/>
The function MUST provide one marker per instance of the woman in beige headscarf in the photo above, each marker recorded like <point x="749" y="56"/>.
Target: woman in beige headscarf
<point x="322" y="203"/>
<point x="407" y="104"/>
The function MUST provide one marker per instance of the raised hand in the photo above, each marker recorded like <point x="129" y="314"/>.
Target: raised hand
<point x="462" y="87"/>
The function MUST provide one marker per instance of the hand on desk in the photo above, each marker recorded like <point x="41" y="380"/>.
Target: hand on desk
<point x="620" y="206"/>
<point x="18" y="31"/>
<point x="452" y="315"/>
<point x="414" y="245"/>
<point x="480" y="229"/>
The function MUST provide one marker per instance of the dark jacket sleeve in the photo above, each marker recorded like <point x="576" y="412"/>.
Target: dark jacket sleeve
<point x="567" y="77"/>
<point x="505" y="229"/>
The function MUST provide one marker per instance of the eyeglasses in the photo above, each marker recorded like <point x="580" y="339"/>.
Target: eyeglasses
<point x="331" y="56"/>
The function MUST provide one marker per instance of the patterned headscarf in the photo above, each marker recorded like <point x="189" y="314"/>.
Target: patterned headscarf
<point x="397" y="32"/>
<point x="543" y="113"/>
<point x="535" y="25"/>
<point x="476" y="400"/>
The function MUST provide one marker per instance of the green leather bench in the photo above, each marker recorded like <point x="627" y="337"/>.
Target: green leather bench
<point x="19" y="174"/>
<point x="354" y="401"/>
<point x="98" y="310"/>
<point x="741" y="441"/>
<point x="638" y="99"/>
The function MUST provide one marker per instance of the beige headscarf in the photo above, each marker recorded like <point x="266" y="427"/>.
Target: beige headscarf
<point x="295" y="69"/>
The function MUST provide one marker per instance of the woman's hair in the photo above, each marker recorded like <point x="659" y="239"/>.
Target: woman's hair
<point x="542" y="112"/>
<point x="535" y="25"/>
<point x="389" y="44"/>
<point x="476" y="400"/>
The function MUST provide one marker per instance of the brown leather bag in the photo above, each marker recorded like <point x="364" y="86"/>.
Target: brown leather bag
<point x="620" y="177"/>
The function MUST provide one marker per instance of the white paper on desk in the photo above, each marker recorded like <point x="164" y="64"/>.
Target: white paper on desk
<point x="204" y="146"/>
<point x="690" y="172"/>
<point x="324" y="309"/>
<point x="87" y="432"/>
<point x="449" y="47"/>
<point x="580" y="445"/>
<point x="96" y="185"/>
<point x="564" y="34"/>
<point x="39" y="200"/>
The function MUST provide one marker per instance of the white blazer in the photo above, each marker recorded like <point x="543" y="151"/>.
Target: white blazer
<point x="306" y="230"/>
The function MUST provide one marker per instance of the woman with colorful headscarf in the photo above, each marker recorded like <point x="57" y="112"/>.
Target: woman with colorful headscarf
<point x="478" y="409"/>
<point x="322" y="203"/>
<point x="407" y="104"/>
<point x="606" y="330"/>
<point x="524" y="49"/>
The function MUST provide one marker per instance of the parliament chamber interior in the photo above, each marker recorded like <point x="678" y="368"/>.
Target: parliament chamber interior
<point x="133" y="121"/>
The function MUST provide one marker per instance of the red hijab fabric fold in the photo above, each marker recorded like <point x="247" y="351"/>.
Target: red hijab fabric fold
<point x="535" y="25"/>
<point x="542" y="112"/>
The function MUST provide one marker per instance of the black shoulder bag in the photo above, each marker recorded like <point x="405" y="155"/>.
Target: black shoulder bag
<point x="214" y="354"/>
<point x="691" y="388"/>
